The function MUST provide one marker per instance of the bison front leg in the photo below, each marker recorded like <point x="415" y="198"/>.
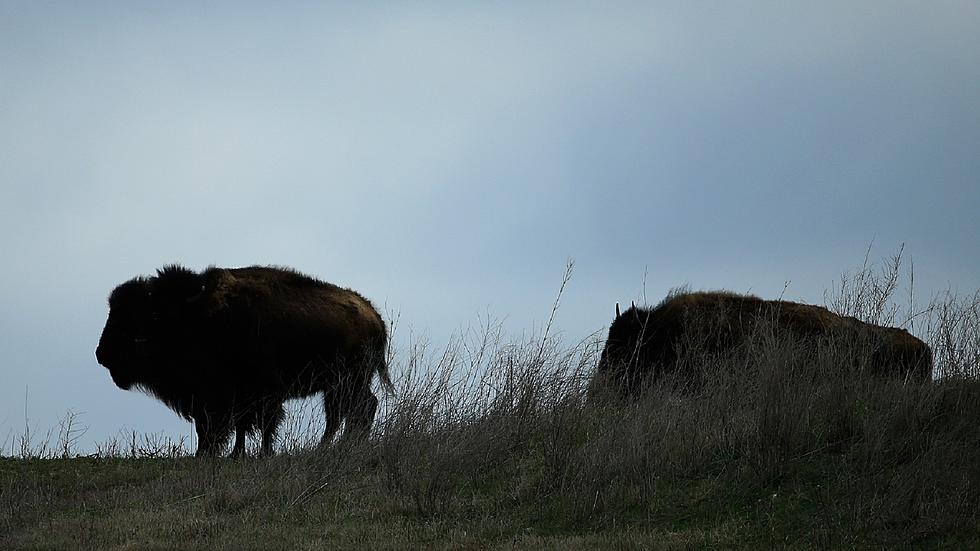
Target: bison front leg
<point x="241" y="435"/>
<point x="212" y="433"/>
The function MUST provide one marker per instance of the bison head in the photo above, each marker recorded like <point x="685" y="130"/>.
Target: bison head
<point x="125" y="342"/>
<point x="627" y="354"/>
<point x="149" y="323"/>
<point x="626" y="338"/>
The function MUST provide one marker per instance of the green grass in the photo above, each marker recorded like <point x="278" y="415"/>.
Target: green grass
<point x="821" y="500"/>
<point x="662" y="474"/>
<point x="499" y="444"/>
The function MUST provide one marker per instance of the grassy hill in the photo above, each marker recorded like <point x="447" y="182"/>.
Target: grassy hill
<point x="772" y="459"/>
<point x="501" y="444"/>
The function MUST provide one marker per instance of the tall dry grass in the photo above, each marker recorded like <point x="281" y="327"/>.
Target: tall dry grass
<point x="784" y="442"/>
<point x="873" y="454"/>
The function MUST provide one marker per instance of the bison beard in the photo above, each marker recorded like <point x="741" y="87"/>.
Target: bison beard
<point x="646" y="344"/>
<point x="227" y="347"/>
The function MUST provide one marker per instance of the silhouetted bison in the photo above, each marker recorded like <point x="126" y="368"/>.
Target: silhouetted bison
<point x="645" y="344"/>
<point x="226" y="348"/>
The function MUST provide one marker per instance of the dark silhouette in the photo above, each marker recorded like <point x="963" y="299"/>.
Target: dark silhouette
<point x="647" y="344"/>
<point x="227" y="347"/>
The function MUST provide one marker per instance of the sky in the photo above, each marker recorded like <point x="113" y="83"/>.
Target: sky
<point x="447" y="159"/>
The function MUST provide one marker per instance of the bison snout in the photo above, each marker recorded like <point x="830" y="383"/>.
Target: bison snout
<point x="100" y="355"/>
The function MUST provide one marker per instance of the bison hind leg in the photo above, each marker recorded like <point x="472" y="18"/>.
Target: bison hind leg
<point x="355" y="411"/>
<point x="359" y="418"/>
<point x="349" y="402"/>
<point x="333" y="416"/>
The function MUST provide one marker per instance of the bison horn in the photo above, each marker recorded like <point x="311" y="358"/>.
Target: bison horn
<point x="617" y="309"/>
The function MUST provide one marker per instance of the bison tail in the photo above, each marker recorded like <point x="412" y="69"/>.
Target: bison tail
<point x="385" y="379"/>
<point x="381" y="365"/>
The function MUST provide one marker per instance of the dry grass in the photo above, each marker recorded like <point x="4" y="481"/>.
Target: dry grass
<point x="495" y="442"/>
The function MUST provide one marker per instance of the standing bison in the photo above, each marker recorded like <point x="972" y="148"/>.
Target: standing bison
<point x="647" y="344"/>
<point x="227" y="347"/>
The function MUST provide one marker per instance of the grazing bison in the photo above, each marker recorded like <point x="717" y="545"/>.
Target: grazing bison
<point x="646" y="344"/>
<point x="226" y="348"/>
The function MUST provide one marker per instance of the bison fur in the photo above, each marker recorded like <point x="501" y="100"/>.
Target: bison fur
<point x="225" y="348"/>
<point x="648" y="344"/>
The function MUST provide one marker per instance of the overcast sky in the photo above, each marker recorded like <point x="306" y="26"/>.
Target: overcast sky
<point x="446" y="160"/>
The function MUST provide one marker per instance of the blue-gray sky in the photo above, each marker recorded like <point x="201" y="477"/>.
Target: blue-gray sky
<point x="446" y="160"/>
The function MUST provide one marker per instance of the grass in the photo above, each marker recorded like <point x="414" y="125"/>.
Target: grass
<point x="499" y="443"/>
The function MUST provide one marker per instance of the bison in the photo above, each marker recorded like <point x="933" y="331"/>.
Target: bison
<point x="225" y="348"/>
<point x="647" y="344"/>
